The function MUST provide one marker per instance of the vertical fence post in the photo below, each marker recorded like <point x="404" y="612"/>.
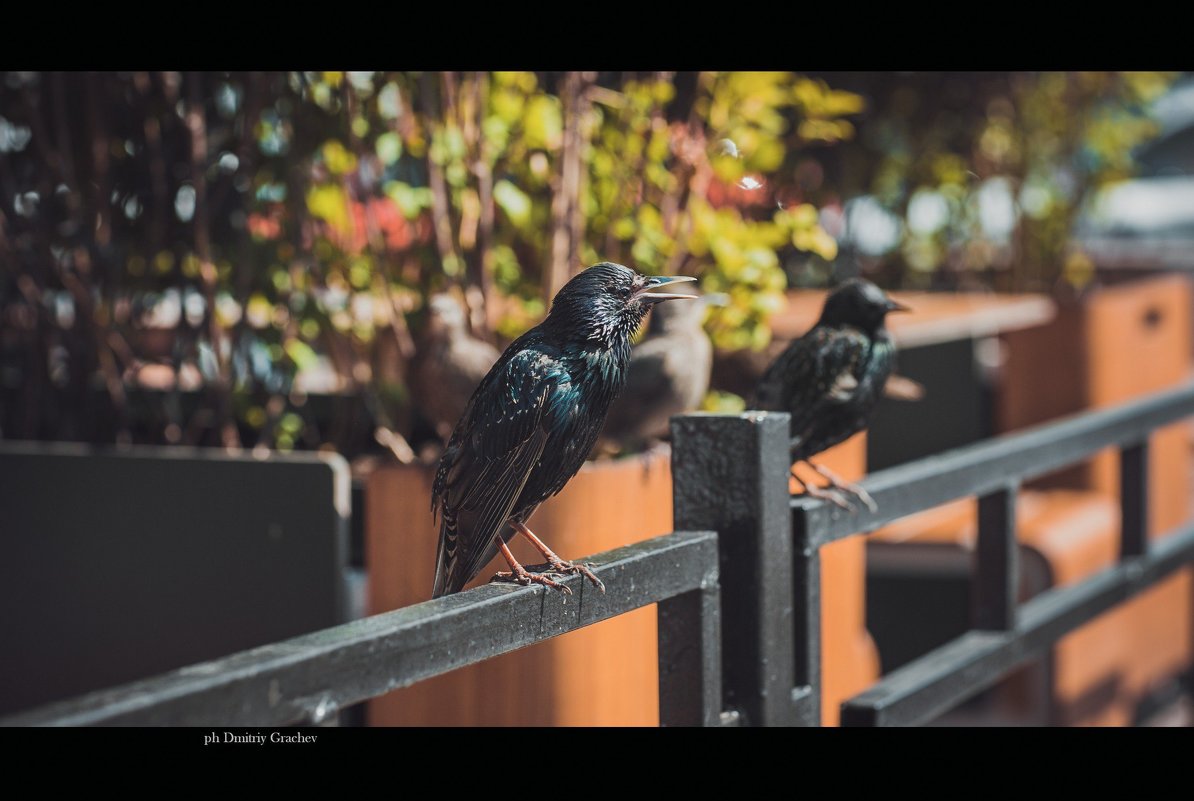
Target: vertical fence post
<point x="1133" y="499"/>
<point x="996" y="569"/>
<point x="806" y="563"/>
<point x="730" y="475"/>
<point x="690" y="658"/>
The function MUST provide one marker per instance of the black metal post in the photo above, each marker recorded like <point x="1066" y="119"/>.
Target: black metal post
<point x="806" y="567"/>
<point x="1133" y="495"/>
<point x="730" y="475"/>
<point x="996" y="562"/>
<point x="690" y="657"/>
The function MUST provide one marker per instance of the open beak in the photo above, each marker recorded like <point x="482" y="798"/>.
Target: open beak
<point x="648" y="296"/>
<point x="896" y="306"/>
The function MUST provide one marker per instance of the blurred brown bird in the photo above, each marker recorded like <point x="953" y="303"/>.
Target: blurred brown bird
<point x="669" y="375"/>
<point x="449" y="364"/>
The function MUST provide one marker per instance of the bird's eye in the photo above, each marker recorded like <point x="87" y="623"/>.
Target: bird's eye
<point x="623" y="292"/>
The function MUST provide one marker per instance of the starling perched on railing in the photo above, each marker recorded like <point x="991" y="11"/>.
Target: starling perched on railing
<point x="449" y="365"/>
<point x="669" y="375"/>
<point x="831" y="378"/>
<point x="533" y="420"/>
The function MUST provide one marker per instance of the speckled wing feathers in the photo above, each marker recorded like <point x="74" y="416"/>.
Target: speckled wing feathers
<point x="478" y="485"/>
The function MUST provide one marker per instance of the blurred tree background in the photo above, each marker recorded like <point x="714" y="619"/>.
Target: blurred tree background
<point x="245" y="259"/>
<point x="974" y="180"/>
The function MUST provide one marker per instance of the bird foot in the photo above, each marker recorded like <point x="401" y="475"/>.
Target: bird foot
<point x="521" y="575"/>
<point x="561" y="567"/>
<point x="858" y="492"/>
<point x="835" y="491"/>
<point x="828" y="494"/>
<point x="838" y="485"/>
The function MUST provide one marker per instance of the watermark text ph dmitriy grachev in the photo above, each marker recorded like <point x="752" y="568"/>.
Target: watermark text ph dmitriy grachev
<point x="257" y="738"/>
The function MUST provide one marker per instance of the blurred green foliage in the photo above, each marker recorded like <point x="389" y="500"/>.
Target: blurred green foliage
<point x="245" y="258"/>
<point x="986" y="172"/>
<point x="194" y="243"/>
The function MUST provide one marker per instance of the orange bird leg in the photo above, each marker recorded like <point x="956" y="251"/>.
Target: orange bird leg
<point x="520" y="575"/>
<point x="558" y="565"/>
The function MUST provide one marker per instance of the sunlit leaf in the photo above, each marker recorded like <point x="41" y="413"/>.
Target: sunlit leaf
<point x="513" y="201"/>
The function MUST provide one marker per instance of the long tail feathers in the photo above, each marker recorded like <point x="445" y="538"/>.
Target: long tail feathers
<point x="446" y="563"/>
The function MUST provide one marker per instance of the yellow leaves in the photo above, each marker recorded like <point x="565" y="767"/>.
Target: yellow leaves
<point x="623" y="228"/>
<point x="817" y="99"/>
<point x="801" y="216"/>
<point x="388" y="148"/>
<point x="745" y="266"/>
<point x="821" y="108"/>
<point x="662" y="92"/>
<point x="825" y="130"/>
<point x="507" y="110"/>
<point x="513" y="201"/>
<point x="259" y="311"/>
<point x="949" y="169"/>
<point x="360" y="271"/>
<point x="725" y="402"/>
<point x="815" y="240"/>
<point x="1147" y="86"/>
<point x="544" y="123"/>
<point x="806" y="232"/>
<point x="190" y="266"/>
<point x="337" y="158"/>
<point x="521" y="81"/>
<point x="767" y="156"/>
<point x="447" y="145"/>
<point x="303" y="356"/>
<point x="411" y="200"/>
<point x="1111" y="136"/>
<point x="329" y="202"/>
<point x="998" y="142"/>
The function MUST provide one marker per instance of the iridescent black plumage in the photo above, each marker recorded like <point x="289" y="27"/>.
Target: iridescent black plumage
<point x="831" y="378"/>
<point x="534" y="417"/>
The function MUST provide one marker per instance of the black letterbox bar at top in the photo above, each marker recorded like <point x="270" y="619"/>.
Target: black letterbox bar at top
<point x="941" y="679"/>
<point x="988" y="466"/>
<point x="309" y="677"/>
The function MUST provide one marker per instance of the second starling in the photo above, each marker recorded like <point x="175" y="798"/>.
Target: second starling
<point x="831" y="379"/>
